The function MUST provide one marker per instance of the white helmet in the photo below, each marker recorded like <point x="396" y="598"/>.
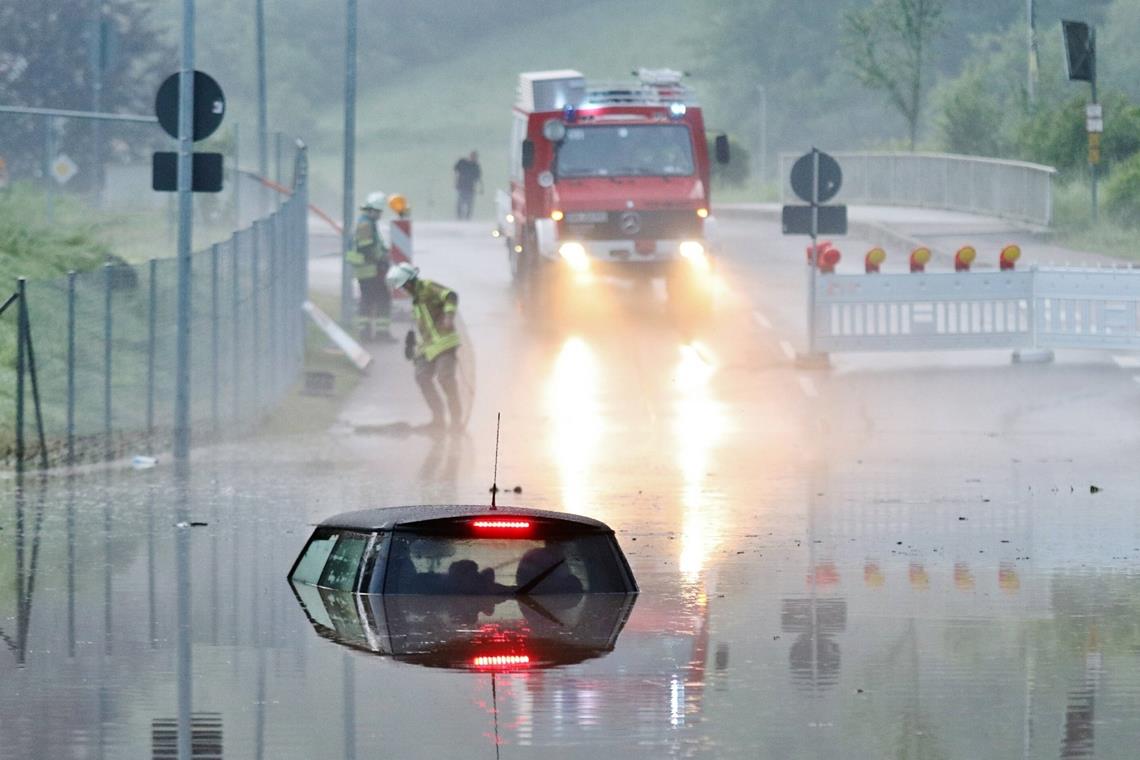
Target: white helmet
<point x="400" y="275"/>
<point x="374" y="201"/>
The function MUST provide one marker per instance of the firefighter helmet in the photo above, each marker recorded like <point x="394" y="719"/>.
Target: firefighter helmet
<point x="400" y="275"/>
<point x="374" y="201"/>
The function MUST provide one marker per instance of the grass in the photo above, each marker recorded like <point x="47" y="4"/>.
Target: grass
<point x="1073" y="225"/>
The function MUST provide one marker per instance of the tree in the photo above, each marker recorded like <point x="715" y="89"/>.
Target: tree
<point x="889" y="45"/>
<point x="45" y="62"/>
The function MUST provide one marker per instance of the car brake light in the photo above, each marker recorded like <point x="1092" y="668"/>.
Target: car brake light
<point x="502" y="524"/>
<point x="500" y="660"/>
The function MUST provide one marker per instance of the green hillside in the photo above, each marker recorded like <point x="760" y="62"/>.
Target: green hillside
<point x="410" y="132"/>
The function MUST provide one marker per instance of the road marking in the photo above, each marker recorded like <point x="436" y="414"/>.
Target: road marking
<point x="807" y="385"/>
<point x="761" y="320"/>
<point x="1127" y="362"/>
<point x="786" y="347"/>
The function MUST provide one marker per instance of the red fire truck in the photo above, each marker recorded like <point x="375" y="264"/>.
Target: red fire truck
<point x="609" y="180"/>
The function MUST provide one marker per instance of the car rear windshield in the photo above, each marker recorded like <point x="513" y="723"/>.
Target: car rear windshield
<point x="433" y="564"/>
<point x="616" y="151"/>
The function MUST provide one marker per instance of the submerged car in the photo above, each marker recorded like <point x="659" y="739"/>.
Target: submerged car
<point x="464" y="551"/>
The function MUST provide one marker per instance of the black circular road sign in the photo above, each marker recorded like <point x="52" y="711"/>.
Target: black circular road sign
<point x="830" y="177"/>
<point x="209" y="105"/>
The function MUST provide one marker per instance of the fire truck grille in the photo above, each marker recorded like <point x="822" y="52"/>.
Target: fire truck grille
<point x="632" y="225"/>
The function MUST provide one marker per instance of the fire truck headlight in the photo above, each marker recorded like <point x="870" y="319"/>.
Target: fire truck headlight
<point x="677" y="110"/>
<point x="554" y="130"/>
<point x="575" y="256"/>
<point x="694" y="252"/>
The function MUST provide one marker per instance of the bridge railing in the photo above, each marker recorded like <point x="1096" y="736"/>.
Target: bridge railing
<point x="995" y="187"/>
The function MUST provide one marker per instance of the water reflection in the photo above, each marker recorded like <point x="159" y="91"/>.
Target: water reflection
<point x="699" y="426"/>
<point x="470" y="633"/>
<point x="573" y="405"/>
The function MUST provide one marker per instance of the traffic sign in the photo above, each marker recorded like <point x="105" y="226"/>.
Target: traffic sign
<point x="207" y="172"/>
<point x="803" y="177"/>
<point x="832" y="220"/>
<point x="209" y="105"/>
<point x="63" y="168"/>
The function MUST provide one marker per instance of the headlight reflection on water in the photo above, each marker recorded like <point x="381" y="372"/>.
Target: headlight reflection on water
<point x="572" y="401"/>
<point x="700" y="426"/>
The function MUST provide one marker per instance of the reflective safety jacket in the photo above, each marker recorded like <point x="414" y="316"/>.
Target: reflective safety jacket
<point x="369" y="254"/>
<point x="430" y="301"/>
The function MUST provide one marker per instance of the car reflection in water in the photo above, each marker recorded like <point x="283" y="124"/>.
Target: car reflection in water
<point x="476" y="633"/>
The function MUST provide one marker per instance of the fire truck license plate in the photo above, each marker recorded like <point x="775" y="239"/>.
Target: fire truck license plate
<point x="586" y="217"/>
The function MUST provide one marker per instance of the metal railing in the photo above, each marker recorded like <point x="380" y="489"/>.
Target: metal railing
<point x="1039" y="308"/>
<point x="994" y="187"/>
<point x="105" y="340"/>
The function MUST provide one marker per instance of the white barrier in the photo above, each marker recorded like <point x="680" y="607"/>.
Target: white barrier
<point x="994" y="187"/>
<point x="934" y="311"/>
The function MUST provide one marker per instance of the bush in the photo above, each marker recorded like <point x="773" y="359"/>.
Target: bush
<point x="1122" y="193"/>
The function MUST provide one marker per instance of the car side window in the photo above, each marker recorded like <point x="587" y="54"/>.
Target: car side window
<point x="316" y="554"/>
<point x="343" y="563"/>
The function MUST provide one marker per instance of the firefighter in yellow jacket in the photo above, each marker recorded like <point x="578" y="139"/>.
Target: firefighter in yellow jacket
<point x="436" y="352"/>
<point x="369" y="259"/>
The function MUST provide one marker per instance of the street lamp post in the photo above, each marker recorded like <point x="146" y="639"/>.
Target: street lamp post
<point x="349" y="160"/>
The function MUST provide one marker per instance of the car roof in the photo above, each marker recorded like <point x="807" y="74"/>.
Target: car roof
<point x="391" y="518"/>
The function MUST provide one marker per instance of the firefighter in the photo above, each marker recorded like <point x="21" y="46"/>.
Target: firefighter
<point x="369" y="259"/>
<point x="436" y="352"/>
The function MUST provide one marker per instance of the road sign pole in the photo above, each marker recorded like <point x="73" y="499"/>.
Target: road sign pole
<point x="185" y="241"/>
<point x="262" y="93"/>
<point x="814" y="249"/>
<point x="349" y="161"/>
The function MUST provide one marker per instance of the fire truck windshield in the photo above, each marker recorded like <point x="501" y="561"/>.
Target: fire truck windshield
<point x="619" y="150"/>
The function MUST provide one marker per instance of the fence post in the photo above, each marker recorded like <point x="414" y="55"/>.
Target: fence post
<point x="151" y="323"/>
<point x="21" y="360"/>
<point x="255" y="316"/>
<point x="214" y="410"/>
<point x="71" y="368"/>
<point x="272" y="383"/>
<point x="235" y="305"/>
<point x="107" y="336"/>
<point x="31" y="363"/>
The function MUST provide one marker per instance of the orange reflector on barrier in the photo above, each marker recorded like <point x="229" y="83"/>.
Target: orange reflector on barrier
<point x="919" y="258"/>
<point x="1009" y="256"/>
<point x="874" y="259"/>
<point x="964" y="258"/>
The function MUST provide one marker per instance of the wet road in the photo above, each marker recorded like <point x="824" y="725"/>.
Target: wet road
<point x="901" y="556"/>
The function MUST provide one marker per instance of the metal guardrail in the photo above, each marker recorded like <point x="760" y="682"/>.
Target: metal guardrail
<point x="933" y="311"/>
<point x="995" y="187"/>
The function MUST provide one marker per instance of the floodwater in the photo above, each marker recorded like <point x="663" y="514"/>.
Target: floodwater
<point x="826" y="570"/>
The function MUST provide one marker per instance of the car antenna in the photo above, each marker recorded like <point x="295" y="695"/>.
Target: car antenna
<point x="495" y="474"/>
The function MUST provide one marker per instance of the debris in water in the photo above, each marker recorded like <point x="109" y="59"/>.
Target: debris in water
<point x="960" y="517"/>
<point x="140" y="462"/>
<point x="1094" y="489"/>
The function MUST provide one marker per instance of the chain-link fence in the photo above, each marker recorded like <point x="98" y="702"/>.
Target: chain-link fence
<point x="105" y="341"/>
<point x="990" y="186"/>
